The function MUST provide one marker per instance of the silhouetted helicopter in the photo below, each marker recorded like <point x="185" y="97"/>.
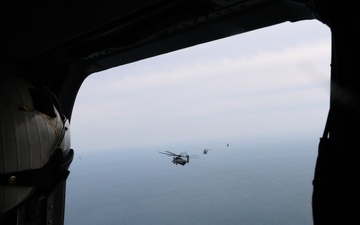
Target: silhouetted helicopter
<point x="206" y="150"/>
<point x="181" y="158"/>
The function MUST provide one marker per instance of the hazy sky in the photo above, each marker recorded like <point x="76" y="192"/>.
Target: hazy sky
<point x="268" y="83"/>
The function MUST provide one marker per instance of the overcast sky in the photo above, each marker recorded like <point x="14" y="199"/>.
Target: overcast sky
<point x="268" y="83"/>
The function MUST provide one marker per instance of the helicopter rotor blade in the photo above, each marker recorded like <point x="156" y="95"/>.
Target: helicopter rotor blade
<point x="168" y="153"/>
<point x="165" y="153"/>
<point x="173" y="154"/>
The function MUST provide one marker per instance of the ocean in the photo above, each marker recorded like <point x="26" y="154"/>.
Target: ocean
<point x="254" y="183"/>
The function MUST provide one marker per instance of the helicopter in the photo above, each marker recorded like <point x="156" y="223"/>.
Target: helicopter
<point x="206" y="150"/>
<point x="181" y="158"/>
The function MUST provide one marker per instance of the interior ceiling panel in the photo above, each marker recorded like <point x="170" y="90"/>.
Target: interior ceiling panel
<point x="103" y="34"/>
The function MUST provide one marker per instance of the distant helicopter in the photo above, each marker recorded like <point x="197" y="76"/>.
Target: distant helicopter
<point x="206" y="150"/>
<point x="181" y="158"/>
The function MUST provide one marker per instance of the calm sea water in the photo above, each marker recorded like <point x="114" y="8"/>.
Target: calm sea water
<point x="244" y="184"/>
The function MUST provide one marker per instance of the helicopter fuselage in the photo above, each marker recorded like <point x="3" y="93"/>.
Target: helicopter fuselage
<point x="179" y="160"/>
